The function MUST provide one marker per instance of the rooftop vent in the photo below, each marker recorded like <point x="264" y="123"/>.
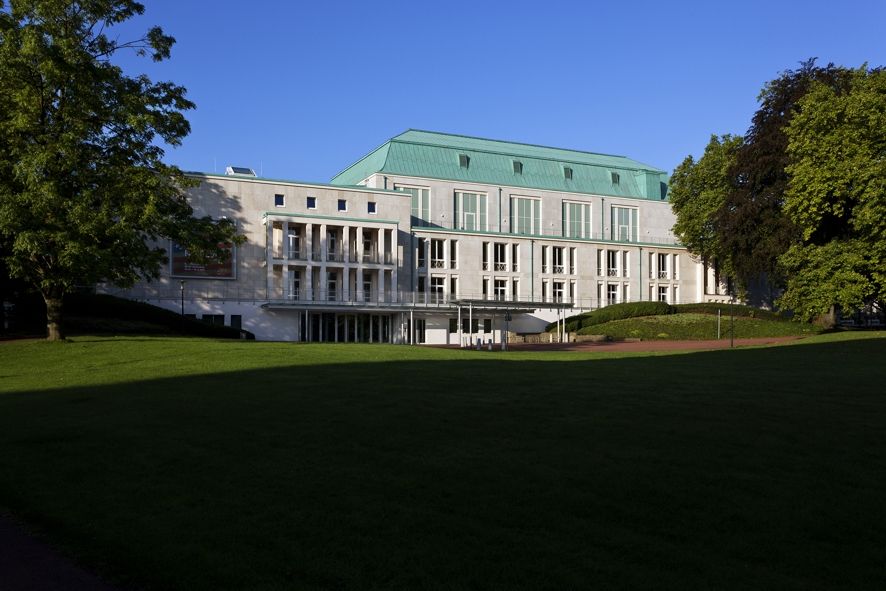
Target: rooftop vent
<point x="232" y="170"/>
<point x="464" y="160"/>
<point x="615" y="177"/>
<point x="518" y="167"/>
<point x="567" y="173"/>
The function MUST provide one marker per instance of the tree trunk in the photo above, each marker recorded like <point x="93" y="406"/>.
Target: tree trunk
<point x="54" y="331"/>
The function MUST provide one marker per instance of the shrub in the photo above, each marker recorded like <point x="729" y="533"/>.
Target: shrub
<point x="614" y="312"/>
<point x="107" y="307"/>
<point x="737" y="309"/>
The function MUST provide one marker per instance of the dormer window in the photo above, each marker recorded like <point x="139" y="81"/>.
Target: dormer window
<point x="615" y="177"/>
<point x="518" y="167"/>
<point x="464" y="160"/>
<point x="567" y="173"/>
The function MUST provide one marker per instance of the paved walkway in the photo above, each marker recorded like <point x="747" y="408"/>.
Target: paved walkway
<point x="30" y="564"/>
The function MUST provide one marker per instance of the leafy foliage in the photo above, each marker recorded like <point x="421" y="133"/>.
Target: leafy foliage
<point x="751" y="225"/>
<point x="84" y="195"/>
<point x="697" y="192"/>
<point x="837" y="196"/>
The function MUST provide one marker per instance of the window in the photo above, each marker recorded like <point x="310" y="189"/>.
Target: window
<point x="515" y="257"/>
<point x="515" y="290"/>
<point x="311" y="203"/>
<point x="675" y="267"/>
<point x="567" y="173"/>
<point x="237" y="321"/>
<point x="612" y="263"/>
<point x="332" y="250"/>
<point x="572" y="257"/>
<point x="662" y="293"/>
<point x="625" y="263"/>
<point x="342" y="205"/>
<point x="518" y="167"/>
<point x="499" y="250"/>
<point x="501" y="289"/>
<point x="487" y="325"/>
<point x="486" y="288"/>
<point x="662" y="266"/>
<point x="525" y="215"/>
<point x="544" y="290"/>
<point x="470" y="211"/>
<point x="421" y="253"/>
<point x="453" y="254"/>
<point x="558" y="259"/>
<point x="331" y="285"/>
<point x="544" y="259"/>
<point x="615" y="177"/>
<point x="611" y="294"/>
<point x="420" y="202"/>
<point x="485" y="247"/>
<point x="367" y="286"/>
<point x="370" y="207"/>
<point x="453" y="325"/>
<point x="624" y="224"/>
<point x="464" y="160"/>
<point x="437" y="260"/>
<point x="437" y="284"/>
<point x="453" y="287"/>
<point x="576" y="220"/>
<point x="558" y="291"/>
<point x="279" y="201"/>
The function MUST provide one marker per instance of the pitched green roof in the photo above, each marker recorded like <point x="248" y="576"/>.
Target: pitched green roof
<point x="429" y="154"/>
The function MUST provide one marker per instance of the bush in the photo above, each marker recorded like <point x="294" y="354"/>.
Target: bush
<point x="737" y="309"/>
<point x="104" y="307"/>
<point x="614" y="312"/>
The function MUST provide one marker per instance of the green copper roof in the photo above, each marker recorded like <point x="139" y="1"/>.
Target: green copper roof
<point x="428" y="154"/>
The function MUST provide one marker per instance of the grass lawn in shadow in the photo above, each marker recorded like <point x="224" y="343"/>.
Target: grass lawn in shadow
<point x="195" y="464"/>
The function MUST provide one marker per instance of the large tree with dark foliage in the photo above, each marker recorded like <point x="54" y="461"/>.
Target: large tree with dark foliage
<point x="84" y="195"/>
<point x="752" y="225"/>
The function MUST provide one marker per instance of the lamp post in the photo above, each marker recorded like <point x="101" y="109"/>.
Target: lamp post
<point x="182" y="289"/>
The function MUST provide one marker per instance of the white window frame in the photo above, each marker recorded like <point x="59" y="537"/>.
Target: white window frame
<point x="535" y="215"/>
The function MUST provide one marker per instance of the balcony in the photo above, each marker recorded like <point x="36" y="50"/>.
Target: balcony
<point x="501" y="266"/>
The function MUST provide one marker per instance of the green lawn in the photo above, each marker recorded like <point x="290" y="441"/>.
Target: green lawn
<point x="196" y="464"/>
<point x="697" y="326"/>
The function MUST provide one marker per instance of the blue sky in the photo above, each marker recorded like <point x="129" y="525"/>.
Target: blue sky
<point x="300" y="90"/>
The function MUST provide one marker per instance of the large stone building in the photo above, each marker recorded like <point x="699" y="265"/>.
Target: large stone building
<point x="435" y="238"/>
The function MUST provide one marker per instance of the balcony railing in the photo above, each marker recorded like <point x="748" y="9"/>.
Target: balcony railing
<point x="437" y="263"/>
<point x="662" y="274"/>
<point x="558" y="268"/>
<point x="501" y="266"/>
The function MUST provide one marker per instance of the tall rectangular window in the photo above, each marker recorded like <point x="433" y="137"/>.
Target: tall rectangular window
<point x="470" y="211"/>
<point x="573" y="254"/>
<point x="453" y="254"/>
<point x="437" y="258"/>
<point x="576" y="219"/>
<point x="499" y="252"/>
<point x="420" y="203"/>
<point x="558" y="259"/>
<point x="485" y="253"/>
<point x="624" y="224"/>
<point x="515" y="257"/>
<point x="558" y="291"/>
<point x="662" y="266"/>
<point x="544" y="259"/>
<point x="501" y="289"/>
<point x="612" y="263"/>
<point x="525" y="215"/>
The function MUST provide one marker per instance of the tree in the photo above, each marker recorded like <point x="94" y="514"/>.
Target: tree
<point x="836" y="196"/>
<point x="752" y="225"/>
<point x="84" y="195"/>
<point x="697" y="192"/>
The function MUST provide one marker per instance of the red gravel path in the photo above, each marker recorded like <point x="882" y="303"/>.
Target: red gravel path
<point x="647" y="345"/>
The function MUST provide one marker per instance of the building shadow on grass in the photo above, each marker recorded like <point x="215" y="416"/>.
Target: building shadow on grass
<point x="723" y="469"/>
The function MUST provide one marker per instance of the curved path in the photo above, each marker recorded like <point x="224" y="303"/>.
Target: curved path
<point x="648" y="345"/>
